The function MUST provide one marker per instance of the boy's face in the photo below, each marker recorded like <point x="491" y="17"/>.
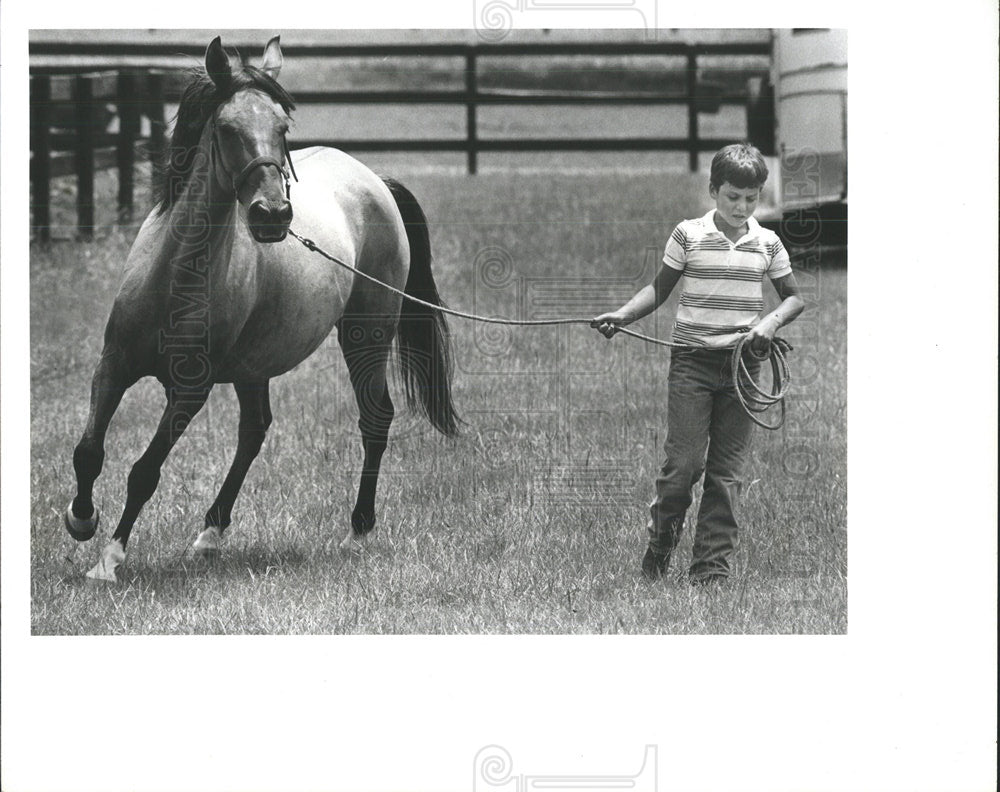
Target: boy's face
<point x="735" y="205"/>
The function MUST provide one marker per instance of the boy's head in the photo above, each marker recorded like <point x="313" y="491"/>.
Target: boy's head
<point x="738" y="173"/>
<point x="740" y="164"/>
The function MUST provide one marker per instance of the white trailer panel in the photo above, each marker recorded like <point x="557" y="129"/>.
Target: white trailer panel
<point x="810" y="87"/>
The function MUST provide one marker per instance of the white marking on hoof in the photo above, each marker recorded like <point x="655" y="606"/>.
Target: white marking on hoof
<point x="208" y="541"/>
<point x="354" y="544"/>
<point x="81" y="529"/>
<point x="112" y="557"/>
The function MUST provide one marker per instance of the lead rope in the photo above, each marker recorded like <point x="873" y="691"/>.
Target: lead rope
<point x="751" y="397"/>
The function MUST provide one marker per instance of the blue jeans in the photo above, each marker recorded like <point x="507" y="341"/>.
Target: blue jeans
<point x="707" y="432"/>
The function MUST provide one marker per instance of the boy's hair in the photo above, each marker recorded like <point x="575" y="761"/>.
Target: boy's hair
<point x="740" y="164"/>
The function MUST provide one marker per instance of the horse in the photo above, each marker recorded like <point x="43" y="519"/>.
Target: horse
<point x="215" y="291"/>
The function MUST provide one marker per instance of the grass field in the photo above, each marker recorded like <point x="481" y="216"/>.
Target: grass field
<point x="531" y="521"/>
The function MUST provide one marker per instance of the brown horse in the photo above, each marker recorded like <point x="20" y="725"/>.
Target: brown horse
<point x="215" y="292"/>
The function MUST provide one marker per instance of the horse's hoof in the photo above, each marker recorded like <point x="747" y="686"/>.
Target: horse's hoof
<point x="353" y="543"/>
<point x="208" y="542"/>
<point x="79" y="529"/>
<point x="112" y="557"/>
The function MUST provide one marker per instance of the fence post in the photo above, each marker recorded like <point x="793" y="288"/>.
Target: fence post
<point x="155" y="113"/>
<point x="471" y="88"/>
<point x="41" y="152"/>
<point x="128" y="132"/>
<point x="83" y="95"/>
<point x="760" y="114"/>
<point x="692" y="97"/>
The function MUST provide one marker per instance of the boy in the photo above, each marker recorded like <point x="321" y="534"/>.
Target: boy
<point x="720" y="260"/>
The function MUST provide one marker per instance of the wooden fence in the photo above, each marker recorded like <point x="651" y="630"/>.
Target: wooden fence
<point x="137" y="93"/>
<point x="68" y="136"/>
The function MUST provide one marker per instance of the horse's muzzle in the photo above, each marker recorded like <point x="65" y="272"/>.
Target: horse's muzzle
<point x="269" y="220"/>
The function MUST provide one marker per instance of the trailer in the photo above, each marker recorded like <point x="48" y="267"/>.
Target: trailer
<point x="809" y="75"/>
<point x="799" y="118"/>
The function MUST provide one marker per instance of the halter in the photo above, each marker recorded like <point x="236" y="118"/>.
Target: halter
<point x="259" y="162"/>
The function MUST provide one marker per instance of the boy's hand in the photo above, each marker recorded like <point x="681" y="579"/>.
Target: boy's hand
<point x="761" y="335"/>
<point x="607" y="324"/>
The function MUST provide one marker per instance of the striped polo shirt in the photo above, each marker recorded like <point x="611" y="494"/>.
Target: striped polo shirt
<point x="721" y="292"/>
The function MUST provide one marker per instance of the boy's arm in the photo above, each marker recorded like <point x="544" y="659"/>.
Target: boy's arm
<point x="791" y="306"/>
<point x="645" y="301"/>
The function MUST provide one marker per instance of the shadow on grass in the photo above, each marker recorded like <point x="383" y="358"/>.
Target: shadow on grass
<point x="248" y="564"/>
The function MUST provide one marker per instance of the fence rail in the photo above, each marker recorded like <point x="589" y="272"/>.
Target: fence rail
<point x="66" y="106"/>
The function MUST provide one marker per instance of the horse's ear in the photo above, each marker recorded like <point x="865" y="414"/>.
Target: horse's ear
<point x="217" y="63"/>
<point x="271" y="64"/>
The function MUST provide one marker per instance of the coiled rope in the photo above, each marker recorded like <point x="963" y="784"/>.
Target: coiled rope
<point x="749" y="394"/>
<point x="753" y="399"/>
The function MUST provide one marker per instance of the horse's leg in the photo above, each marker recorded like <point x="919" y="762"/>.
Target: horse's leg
<point x="182" y="406"/>
<point x="109" y="385"/>
<point x="255" y="418"/>
<point x="365" y="344"/>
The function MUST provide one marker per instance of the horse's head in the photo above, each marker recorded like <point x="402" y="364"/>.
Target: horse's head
<point x="249" y="149"/>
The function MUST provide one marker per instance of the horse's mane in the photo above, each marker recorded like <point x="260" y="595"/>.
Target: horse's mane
<point x="200" y="100"/>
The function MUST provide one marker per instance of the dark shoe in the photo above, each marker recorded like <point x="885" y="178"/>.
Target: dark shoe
<point x="654" y="565"/>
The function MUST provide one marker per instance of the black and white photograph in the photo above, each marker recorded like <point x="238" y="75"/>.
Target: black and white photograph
<point x="434" y="237"/>
<point x="490" y="375"/>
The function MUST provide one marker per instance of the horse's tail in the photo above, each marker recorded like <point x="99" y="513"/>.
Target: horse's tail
<point x="423" y="342"/>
